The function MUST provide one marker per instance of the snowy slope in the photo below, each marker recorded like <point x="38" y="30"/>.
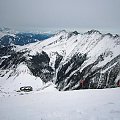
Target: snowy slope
<point x="61" y="43"/>
<point x="73" y="105"/>
<point x="65" y="59"/>
<point x="97" y="49"/>
<point x="93" y="44"/>
<point x="22" y="76"/>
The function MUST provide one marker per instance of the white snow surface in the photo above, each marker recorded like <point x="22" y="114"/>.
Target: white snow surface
<point x="19" y="78"/>
<point x="99" y="104"/>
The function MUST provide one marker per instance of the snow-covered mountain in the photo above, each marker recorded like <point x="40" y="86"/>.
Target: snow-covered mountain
<point x="11" y="37"/>
<point x="68" y="59"/>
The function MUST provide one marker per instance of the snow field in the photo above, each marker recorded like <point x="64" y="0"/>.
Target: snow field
<point x="92" y="104"/>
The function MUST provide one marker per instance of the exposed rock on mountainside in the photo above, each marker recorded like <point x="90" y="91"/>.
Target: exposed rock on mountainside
<point x="68" y="59"/>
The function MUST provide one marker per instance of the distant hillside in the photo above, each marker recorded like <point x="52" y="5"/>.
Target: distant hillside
<point x="8" y="37"/>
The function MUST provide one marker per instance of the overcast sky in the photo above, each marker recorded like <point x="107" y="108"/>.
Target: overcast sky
<point x="60" y="13"/>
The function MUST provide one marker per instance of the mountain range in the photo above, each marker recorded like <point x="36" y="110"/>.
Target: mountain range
<point x="67" y="60"/>
<point x="9" y="37"/>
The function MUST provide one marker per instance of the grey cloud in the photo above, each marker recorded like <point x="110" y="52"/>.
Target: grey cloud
<point x="60" y="13"/>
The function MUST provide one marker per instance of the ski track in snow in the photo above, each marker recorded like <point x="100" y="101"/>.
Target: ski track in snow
<point x="92" y="104"/>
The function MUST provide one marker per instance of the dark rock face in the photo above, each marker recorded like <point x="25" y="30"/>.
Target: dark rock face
<point x="72" y="33"/>
<point x="93" y="31"/>
<point x="6" y="50"/>
<point x="66" y="75"/>
<point x="58" y="60"/>
<point x="13" y="59"/>
<point x="93" y="78"/>
<point x="39" y="66"/>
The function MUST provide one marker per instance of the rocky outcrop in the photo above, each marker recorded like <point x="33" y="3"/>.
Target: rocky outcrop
<point x="39" y="66"/>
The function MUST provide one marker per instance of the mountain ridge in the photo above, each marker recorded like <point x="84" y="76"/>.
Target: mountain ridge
<point x="69" y="58"/>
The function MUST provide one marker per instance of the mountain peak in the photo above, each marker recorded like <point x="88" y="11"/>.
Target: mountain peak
<point x="93" y="31"/>
<point x="75" y="32"/>
<point x="116" y="36"/>
<point x="61" y="32"/>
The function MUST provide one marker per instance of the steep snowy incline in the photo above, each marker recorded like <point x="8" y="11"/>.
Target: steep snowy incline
<point x="68" y="59"/>
<point x="93" y="43"/>
<point x="87" y="56"/>
<point x="73" y="105"/>
<point x="61" y="43"/>
<point x="14" y="79"/>
<point x="95" y="59"/>
<point x="18" y="69"/>
<point x="97" y="44"/>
